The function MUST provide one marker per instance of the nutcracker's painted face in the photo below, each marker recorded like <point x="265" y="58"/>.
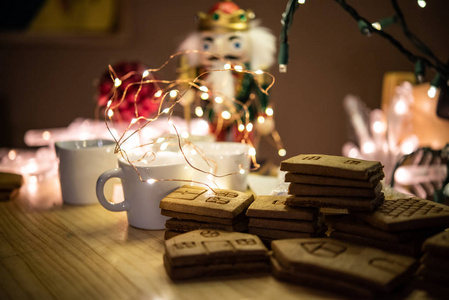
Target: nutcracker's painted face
<point x="233" y="46"/>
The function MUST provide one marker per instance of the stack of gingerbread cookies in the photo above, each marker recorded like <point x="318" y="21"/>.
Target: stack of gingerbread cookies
<point x="433" y="271"/>
<point x="400" y="224"/>
<point x="271" y="219"/>
<point x="194" y="207"/>
<point x="327" y="181"/>
<point x="210" y="252"/>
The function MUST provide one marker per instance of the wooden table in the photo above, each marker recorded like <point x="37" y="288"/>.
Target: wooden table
<point x="87" y="252"/>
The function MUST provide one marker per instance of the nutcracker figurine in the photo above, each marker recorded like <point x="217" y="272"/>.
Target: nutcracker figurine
<point x="229" y="53"/>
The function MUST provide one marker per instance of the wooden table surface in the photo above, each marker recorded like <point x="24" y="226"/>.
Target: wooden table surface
<point x="55" y="251"/>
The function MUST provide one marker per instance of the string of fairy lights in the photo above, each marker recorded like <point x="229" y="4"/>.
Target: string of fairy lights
<point x="170" y="94"/>
<point x="427" y="59"/>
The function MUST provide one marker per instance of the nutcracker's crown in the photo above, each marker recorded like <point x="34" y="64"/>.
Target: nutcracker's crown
<point x="224" y="16"/>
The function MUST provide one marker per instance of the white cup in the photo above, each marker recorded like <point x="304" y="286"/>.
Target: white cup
<point x="222" y="158"/>
<point x="142" y="198"/>
<point x="80" y="164"/>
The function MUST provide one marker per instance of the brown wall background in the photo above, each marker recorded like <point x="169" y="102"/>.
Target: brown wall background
<point x="48" y="82"/>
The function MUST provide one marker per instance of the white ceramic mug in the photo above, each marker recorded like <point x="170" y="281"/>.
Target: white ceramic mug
<point x="80" y="164"/>
<point x="142" y="198"/>
<point x="229" y="158"/>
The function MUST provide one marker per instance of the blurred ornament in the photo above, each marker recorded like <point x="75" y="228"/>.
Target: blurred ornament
<point x="138" y="98"/>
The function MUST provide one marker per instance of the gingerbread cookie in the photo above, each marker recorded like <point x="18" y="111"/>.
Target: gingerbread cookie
<point x="202" y="253"/>
<point x="333" y="181"/>
<point x="349" y="203"/>
<point x="300" y="189"/>
<point x="332" y="166"/>
<point x="189" y="225"/>
<point x="270" y="219"/>
<point x="438" y="244"/>
<point x="408" y="214"/>
<point x="336" y="261"/>
<point x="274" y="207"/>
<point x="201" y="201"/>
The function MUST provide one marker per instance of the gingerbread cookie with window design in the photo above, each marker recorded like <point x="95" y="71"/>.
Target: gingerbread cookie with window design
<point x="400" y="224"/>
<point x="219" y="203"/>
<point x="193" y="207"/>
<point x="210" y="252"/>
<point x="408" y="213"/>
<point x="345" y="267"/>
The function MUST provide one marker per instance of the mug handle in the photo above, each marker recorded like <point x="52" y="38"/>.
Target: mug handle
<point x="100" y="191"/>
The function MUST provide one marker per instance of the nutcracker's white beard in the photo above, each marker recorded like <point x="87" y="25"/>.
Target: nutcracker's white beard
<point x="222" y="84"/>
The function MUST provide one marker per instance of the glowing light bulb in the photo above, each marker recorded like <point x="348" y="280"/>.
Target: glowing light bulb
<point x="158" y="94"/>
<point x="204" y="96"/>
<point x="145" y="73"/>
<point x="407" y="148"/>
<point x="261" y="119"/>
<point x="226" y="115"/>
<point x="227" y="66"/>
<point x="109" y="103"/>
<point x="133" y="121"/>
<point x="218" y="100"/>
<point x="110" y="113"/>
<point x="301" y="1"/>
<point x="199" y="111"/>
<point x="269" y="111"/>
<point x="368" y="147"/>
<point x="353" y="153"/>
<point x="238" y="68"/>
<point x="117" y="82"/>
<point x="377" y="25"/>
<point x="409" y="144"/>
<point x="422" y="3"/>
<point x="151" y="180"/>
<point x="160" y="140"/>
<point x="173" y="93"/>
<point x="12" y="154"/>
<point x="402" y="176"/>
<point x="241" y="127"/>
<point x="252" y="151"/>
<point x="282" y="152"/>
<point x="379" y="127"/>
<point x="31" y="167"/>
<point x="185" y="135"/>
<point x="210" y="177"/>
<point x="46" y="135"/>
<point x="401" y="107"/>
<point x="249" y="127"/>
<point x="164" y="146"/>
<point x="241" y="171"/>
<point x="203" y="88"/>
<point x="259" y="72"/>
<point x="170" y="122"/>
<point x="33" y="179"/>
<point x="432" y="92"/>
<point x="166" y="110"/>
